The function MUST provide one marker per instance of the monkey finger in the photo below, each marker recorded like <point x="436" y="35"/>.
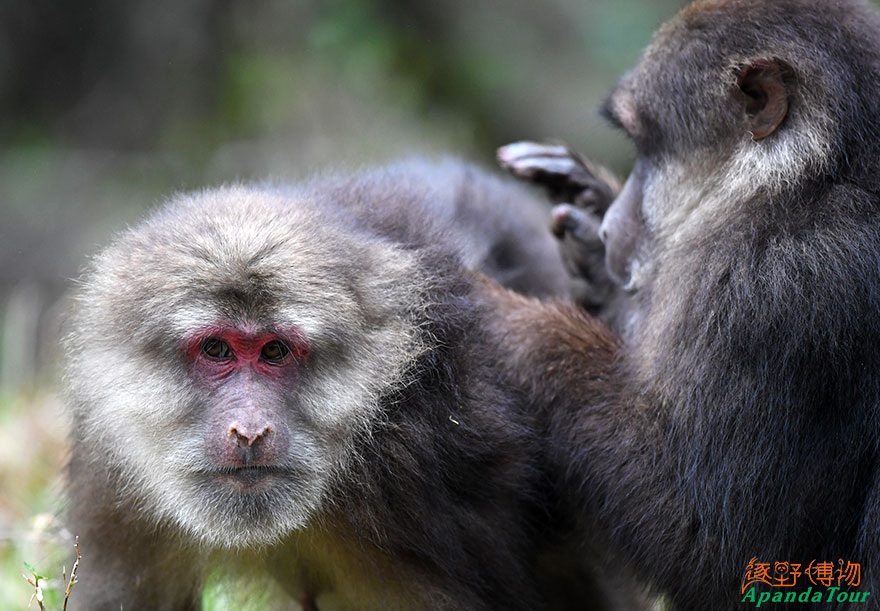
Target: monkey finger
<point x="580" y="224"/>
<point x="567" y="176"/>
<point x="528" y="159"/>
<point x="552" y="166"/>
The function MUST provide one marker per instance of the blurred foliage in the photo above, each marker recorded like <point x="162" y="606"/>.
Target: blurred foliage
<point x="31" y="455"/>
<point x="107" y="106"/>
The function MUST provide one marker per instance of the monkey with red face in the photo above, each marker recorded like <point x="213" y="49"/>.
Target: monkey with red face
<point x="299" y="382"/>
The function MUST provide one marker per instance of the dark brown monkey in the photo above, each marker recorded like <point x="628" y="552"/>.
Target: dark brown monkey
<point x="299" y="381"/>
<point x="749" y="231"/>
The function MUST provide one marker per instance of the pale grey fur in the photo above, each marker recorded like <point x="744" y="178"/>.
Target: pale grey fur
<point x="161" y="280"/>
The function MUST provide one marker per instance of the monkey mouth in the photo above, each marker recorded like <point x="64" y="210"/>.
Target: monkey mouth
<point x="247" y="478"/>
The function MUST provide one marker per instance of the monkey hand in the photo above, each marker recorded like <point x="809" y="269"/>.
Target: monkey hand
<point x="567" y="176"/>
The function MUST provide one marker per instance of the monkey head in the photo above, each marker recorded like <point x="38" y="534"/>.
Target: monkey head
<point x="225" y="353"/>
<point x="725" y="112"/>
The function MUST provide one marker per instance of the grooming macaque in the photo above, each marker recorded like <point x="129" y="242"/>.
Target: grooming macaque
<point x="583" y="191"/>
<point x="299" y="380"/>
<point x="746" y="419"/>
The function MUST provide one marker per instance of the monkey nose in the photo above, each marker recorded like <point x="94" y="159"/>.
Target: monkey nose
<point x="248" y="436"/>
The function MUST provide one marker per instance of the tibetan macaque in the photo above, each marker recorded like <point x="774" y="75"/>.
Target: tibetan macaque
<point x="747" y="424"/>
<point x="299" y="381"/>
<point x="583" y="191"/>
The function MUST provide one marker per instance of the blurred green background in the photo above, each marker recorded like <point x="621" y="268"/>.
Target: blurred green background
<point x="108" y="106"/>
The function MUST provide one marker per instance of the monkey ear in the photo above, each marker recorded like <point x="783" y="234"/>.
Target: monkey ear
<point x="764" y="95"/>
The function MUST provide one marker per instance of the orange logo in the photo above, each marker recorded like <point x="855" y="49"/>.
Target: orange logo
<point x="785" y="576"/>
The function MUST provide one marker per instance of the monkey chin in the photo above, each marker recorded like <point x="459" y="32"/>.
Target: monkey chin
<point x="244" y="508"/>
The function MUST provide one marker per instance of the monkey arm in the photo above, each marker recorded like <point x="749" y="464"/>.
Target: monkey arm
<point x="604" y="441"/>
<point x="706" y="475"/>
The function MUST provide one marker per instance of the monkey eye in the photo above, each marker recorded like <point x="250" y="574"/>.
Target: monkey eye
<point x="216" y="348"/>
<point x="274" y="351"/>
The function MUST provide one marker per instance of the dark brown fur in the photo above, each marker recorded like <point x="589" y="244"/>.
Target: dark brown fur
<point x="743" y="419"/>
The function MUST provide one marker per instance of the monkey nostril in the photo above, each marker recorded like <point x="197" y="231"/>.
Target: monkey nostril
<point x="244" y="436"/>
<point x="603" y="235"/>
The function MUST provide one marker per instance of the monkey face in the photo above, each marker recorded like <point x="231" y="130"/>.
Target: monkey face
<point x="249" y="373"/>
<point x="257" y="452"/>
<point x="227" y="353"/>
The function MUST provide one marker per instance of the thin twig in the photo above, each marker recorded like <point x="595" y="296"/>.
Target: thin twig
<point x="69" y="584"/>
<point x="38" y="591"/>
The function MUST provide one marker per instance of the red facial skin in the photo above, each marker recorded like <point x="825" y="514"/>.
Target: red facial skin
<point x="245" y="428"/>
<point x="246" y="346"/>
